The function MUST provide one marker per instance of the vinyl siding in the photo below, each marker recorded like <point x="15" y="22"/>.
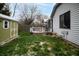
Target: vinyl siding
<point x="16" y="29"/>
<point x="73" y="32"/>
<point x="7" y="35"/>
<point x="13" y="29"/>
<point x="37" y="29"/>
<point x="4" y="33"/>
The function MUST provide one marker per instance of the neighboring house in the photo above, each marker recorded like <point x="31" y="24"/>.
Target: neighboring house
<point x="8" y="29"/>
<point x="37" y="27"/>
<point x="65" y="18"/>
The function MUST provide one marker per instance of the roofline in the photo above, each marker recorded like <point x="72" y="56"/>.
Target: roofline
<point x="54" y="9"/>
<point x="7" y="17"/>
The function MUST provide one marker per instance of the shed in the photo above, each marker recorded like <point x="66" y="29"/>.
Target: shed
<point x="8" y="29"/>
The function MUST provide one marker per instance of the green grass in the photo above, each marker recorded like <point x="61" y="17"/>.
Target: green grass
<point x="20" y="46"/>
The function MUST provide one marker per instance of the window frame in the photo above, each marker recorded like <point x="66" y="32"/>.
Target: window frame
<point x="61" y="25"/>
<point x="5" y="24"/>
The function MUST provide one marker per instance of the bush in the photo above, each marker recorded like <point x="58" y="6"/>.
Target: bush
<point x="51" y="33"/>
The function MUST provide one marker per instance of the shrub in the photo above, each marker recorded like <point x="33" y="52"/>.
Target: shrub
<point x="51" y="33"/>
<point x="48" y="33"/>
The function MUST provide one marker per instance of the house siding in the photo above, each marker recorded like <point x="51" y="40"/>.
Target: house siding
<point x="73" y="32"/>
<point x="4" y="33"/>
<point x="9" y="34"/>
<point x="13" y="29"/>
<point x="37" y="29"/>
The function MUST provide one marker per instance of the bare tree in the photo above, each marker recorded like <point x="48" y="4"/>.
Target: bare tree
<point x="14" y="9"/>
<point x="27" y="15"/>
<point x="28" y="12"/>
<point x="33" y="10"/>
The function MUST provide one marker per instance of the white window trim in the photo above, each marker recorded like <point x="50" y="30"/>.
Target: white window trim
<point x="4" y="24"/>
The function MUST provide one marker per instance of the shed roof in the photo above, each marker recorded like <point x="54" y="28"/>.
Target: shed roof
<point x="54" y="9"/>
<point x="7" y="17"/>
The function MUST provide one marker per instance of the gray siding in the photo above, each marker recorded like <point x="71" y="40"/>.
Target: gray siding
<point x="73" y="33"/>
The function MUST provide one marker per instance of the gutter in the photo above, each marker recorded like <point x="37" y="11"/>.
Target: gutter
<point x="54" y="9"/>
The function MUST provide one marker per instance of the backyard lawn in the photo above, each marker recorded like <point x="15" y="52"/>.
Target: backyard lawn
<point x="38" y="45"/>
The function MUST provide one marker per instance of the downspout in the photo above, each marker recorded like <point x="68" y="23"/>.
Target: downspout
<point x="52" y="24"/>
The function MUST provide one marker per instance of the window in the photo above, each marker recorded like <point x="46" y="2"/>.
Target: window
<point x="5" y="24"/>
<point x="65" y="20"/>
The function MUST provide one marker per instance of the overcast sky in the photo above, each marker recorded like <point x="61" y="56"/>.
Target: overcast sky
<point x="45" y="8"/>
